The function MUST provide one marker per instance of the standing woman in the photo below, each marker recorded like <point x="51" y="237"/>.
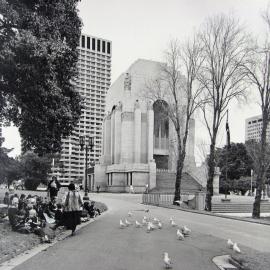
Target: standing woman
<point x="53" y="187"/>
<point x="72" y="208"/>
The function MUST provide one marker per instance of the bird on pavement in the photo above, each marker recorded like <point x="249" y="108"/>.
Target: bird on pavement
<point x="171" y="219"/>
<point x="160" y="225"/>
<point x="173" y="223"/>
<point x="138" y="224"/>
<point x="180" y="236"/>
<point x="153" y="227"/>
<point x="144" y="222"/>
<point x="128" y="222"/>
<point x="230" y="243"/>
<point x="236" y="248"/>
<point x="122" y="224"/>
<point x="130" y="214"/>
<point x="155" y="220"/>
<point x="186" y="230"/>
<point x="167" y="260"/>
<point x="148" y="228"/>
<point x="146" y="218"/>
<point x="146" y="210"/>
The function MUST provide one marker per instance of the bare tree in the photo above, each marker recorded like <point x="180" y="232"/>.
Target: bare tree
<point x="258" y="71"/>
<point x="177" y="86"/>
<point x="222" y="76"/>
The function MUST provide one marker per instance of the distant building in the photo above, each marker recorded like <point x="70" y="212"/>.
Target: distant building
<point x="253" y="128"/>
<point x="138" y="141"/>
<point x="94" y="79"/>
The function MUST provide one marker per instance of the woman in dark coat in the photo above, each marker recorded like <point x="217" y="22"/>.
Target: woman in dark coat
<point x="72" y="209"/>
<point x="53" y="187"/>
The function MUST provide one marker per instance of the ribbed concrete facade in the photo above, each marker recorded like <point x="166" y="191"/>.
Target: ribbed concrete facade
<point x="94" y="78"/>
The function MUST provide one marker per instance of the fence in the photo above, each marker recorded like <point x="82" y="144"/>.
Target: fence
<point x="194" y="200"/>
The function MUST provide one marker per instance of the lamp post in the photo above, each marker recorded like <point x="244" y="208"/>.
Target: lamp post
<point x="88" y="146"/>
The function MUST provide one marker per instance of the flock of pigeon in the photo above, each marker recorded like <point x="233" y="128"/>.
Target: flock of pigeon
<point x="152" y="224"/>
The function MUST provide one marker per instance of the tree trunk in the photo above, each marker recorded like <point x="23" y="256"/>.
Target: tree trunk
<point x="211" y="171"/>
<point x="179" y="169"/>
<point x="261" y="170"/>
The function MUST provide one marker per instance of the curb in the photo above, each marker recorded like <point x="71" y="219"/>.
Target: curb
<point x="223" y="262"/>
<point x="261" y="222"/>
<point x="26" y="255"/>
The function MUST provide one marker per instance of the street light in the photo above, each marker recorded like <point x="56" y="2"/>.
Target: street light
<point x="90" y="145"/>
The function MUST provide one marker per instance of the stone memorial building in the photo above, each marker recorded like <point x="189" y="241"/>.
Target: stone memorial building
<point x="138" y="146"/>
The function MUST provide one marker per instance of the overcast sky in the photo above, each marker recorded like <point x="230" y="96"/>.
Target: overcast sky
<point x="143" y="28"/>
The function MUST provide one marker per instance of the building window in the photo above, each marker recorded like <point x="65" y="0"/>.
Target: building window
<point x="103" y="46"/>
<point x="108" y="47"/>
<point x="98" y="45"/>
<point x="83" y="41"/>
<point x="93" y="44"/>
<point x="88" y="42"/>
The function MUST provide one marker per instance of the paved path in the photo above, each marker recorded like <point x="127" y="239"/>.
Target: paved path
<point x="102" y="245"/>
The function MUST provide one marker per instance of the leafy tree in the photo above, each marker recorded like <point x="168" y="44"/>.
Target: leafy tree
<point x="10" y="168"/>
<point x="38" y="40"/>
<point x="239" y="164"/>
<point x="35" y="169"/>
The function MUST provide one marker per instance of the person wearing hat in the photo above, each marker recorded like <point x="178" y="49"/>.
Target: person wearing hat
<point x="72" y="209"/>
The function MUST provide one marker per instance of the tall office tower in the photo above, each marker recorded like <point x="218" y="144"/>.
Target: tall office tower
<point x="94" y="78"/>
<point x="253" y="129"/>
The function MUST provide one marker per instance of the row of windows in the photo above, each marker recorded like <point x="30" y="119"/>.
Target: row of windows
<point x="95" y="44"/>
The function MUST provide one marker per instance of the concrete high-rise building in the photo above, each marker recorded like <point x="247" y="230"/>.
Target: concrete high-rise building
<point x="253" y="129"/>
<point x="94" y="78"/>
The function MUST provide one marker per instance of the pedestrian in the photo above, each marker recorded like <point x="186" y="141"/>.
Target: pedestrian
<point x="146" y="188"/>
<point x="131" y="189"/>
<point x="53" y="187"/>
<point x="98" y="188"/>
<point x="72" y="209"/>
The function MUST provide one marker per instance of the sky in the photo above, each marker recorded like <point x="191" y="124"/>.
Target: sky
<point x="143" y="29"/>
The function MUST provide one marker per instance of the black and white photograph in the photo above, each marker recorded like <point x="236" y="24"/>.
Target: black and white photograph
<point x="134" y="134"/>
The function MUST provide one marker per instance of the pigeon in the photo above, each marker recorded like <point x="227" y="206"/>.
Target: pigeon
<point x="122" y="224"/>
<point x="236" y="248"/>
<point x="128" y="222"/>
<point x="171" y="219"/>
<point x="148" y="228"/>
<point x="230" y="243"/>
<point x="146" y="210"/>
<point x="173" y="223"/>
<point x="153" y="227"/>
<point x="130" y="214"/>
<point x="186" y="230"/>
<point x="155" y="220"/>
<point x="167" y="261"/>
<point x="180" y="236"/>
<point x="160" y="225"/>
<point x="178" y="202"/>
<point x="144" y="222"/>
<point x="145" y="218"/>
<point x="138" y="224"/>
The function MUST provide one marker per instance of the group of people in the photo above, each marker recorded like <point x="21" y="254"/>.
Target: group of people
<point x="32" y="214"/>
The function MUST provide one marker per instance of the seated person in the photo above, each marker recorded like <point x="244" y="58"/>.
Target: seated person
<point x="16" y="219"/>
<point x="22" y="202"/>
<point x="52" y="205"/>
<point x="58" y="217"/>
<point x="92" y="211"/>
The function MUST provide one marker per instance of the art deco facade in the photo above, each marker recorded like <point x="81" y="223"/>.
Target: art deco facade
<point x="138" y="144"/>
<point x="94" y="67"/>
